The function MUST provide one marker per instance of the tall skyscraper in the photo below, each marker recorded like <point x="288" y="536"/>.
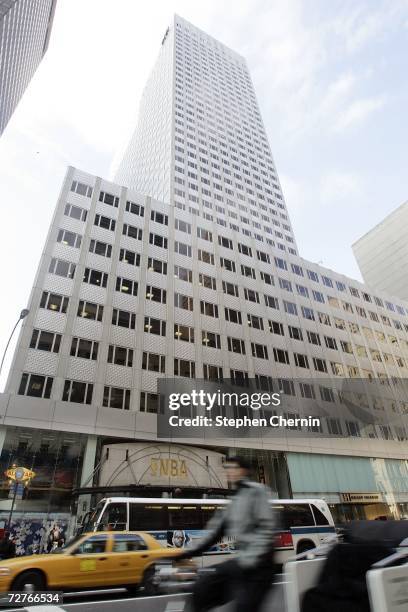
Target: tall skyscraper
<point x="382" y="254"/>
<point x="191" y="271"/>
<point x="25" y="28"/>
<point x="200" y="143"/>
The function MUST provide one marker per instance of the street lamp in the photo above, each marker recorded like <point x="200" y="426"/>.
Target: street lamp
<point x="22" y="316"/>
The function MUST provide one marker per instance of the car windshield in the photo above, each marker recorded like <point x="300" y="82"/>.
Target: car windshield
<point x="70" y="542"/>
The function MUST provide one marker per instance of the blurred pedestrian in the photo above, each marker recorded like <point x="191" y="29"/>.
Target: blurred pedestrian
<point x="249" y="520"/>
<point x="7" y="546"/>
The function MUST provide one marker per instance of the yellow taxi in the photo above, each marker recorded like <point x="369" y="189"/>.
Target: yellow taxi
<point x="108" y="558"/>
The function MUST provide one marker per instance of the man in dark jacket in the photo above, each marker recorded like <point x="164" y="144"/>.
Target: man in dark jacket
<point x="249" y="520"/>
<point x="7" y="547"/>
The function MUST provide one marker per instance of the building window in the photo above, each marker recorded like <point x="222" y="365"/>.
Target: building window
<point x="120" y="355"/>
<point x="212" y="372"/>
<point x="132" y="232"/>
<point x="307" y="390"/>
<point x="35" y="385"/>
<point x="285" y="284"/>
<point x="108" y="198"/>
<point x="205" y="257"/>
<point x="181" y="248"/>
<point x="69" y="238"/>
<point x="182" y="367"/>
<point x="105" y="222"/>
<point x="77" y="391"/>
<point x="100" y="248"/>
<point x="236" y="345"/>
<point x="259" y="350"/>
<point x="86" y="349"/>
<point x="183" y="274"/>
<point x="248" y="271"/>
<point x="182" y="226"/>
<point x="135" y="209"/>
<point x="209" y="309"/>
<point x="290" y="307"/>
<point x="156" y="265"/>
<point x="286" y="386"/>
<point x="225" y="242"/>
<point x="95" y="277"/>
<point x="158" y="240"/>
<point x="122" y="318"/>
<point x="149" y="402"/>
<point x="227" y="264"/>
<point x="115" y="397"/>
<point x="154" y="362"/>
<point x="154" y="326"/>
<point x="281" y="356"/>
<point x="204" y="234"/>
<point x="75" y="212"/>
<point x="81" y="189"/>
<point x="54" y="302"/>
<point x="308" y="313"/>
<point x="183" y="301"/>
<point x="251" y="295"/>
<point x="301" y="360"/>
<point x="295" y="333"/>
<point x="89" y="310"/>
<point x="239" y="378"/>
<point x="313" y="338"/>
<point x="207" y="281"/>
<point x="155" y="294"/>
<point x="255" y="322"/>
<point x="313" y="276"/>
<point x="330" y="342"/>
<point x="230" y="288"/>
<point x="129" y="257"/>
<point x="233" y="316"/>
<point x="244" y="249"/>
<point x="263" y="257"/>
<point x="211" y="340"/>
<point x="276" y="328"/>
<point x="267" y="278"/>
<point x="45" y="341"/>
<point x="281" y="263"/>
<point x="60" y="267"/>
<point x="159" y="217"/>
<point x="184" y="333"/>
<point x="319" y="365"/>
<point x="125" y="285"/>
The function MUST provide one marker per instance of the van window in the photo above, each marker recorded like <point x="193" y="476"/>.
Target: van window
<point x="185" y="517"/>
<point x="115" y="517"/>
<point x="320" y="518"/>
<point x="296" y="515"/>
<point x="147" y="517"/>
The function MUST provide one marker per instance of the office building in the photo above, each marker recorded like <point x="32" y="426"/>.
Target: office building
<point x="188" y="267"/>
<point x="382" y="254"/>
<point x="25" y="28"/>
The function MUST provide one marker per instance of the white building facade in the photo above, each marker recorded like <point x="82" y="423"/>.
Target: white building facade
<point x="25" y="28"/>
<point x="205" y="283"/>
<point x="382" y="254"/>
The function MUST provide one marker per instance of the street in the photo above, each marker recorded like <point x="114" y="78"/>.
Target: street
<point x="119" y="600"/>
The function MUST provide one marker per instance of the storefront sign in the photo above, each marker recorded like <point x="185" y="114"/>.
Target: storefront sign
<point x="161" y="464"/>
<point x="21" y="474"/>
<point x="361" y="498"/>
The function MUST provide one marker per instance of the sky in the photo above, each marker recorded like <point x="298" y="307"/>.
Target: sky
<point x="331" y="81"/>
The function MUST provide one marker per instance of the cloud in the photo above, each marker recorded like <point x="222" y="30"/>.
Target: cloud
<point x="358" y="111"/>
<point x="336" y="186"/>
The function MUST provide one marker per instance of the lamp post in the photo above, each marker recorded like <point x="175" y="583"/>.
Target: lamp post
<point x="22" y="316"/>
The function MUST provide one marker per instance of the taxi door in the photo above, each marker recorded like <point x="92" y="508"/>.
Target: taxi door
<point x="130" y="554"/>
<point x="88" y="565"/>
